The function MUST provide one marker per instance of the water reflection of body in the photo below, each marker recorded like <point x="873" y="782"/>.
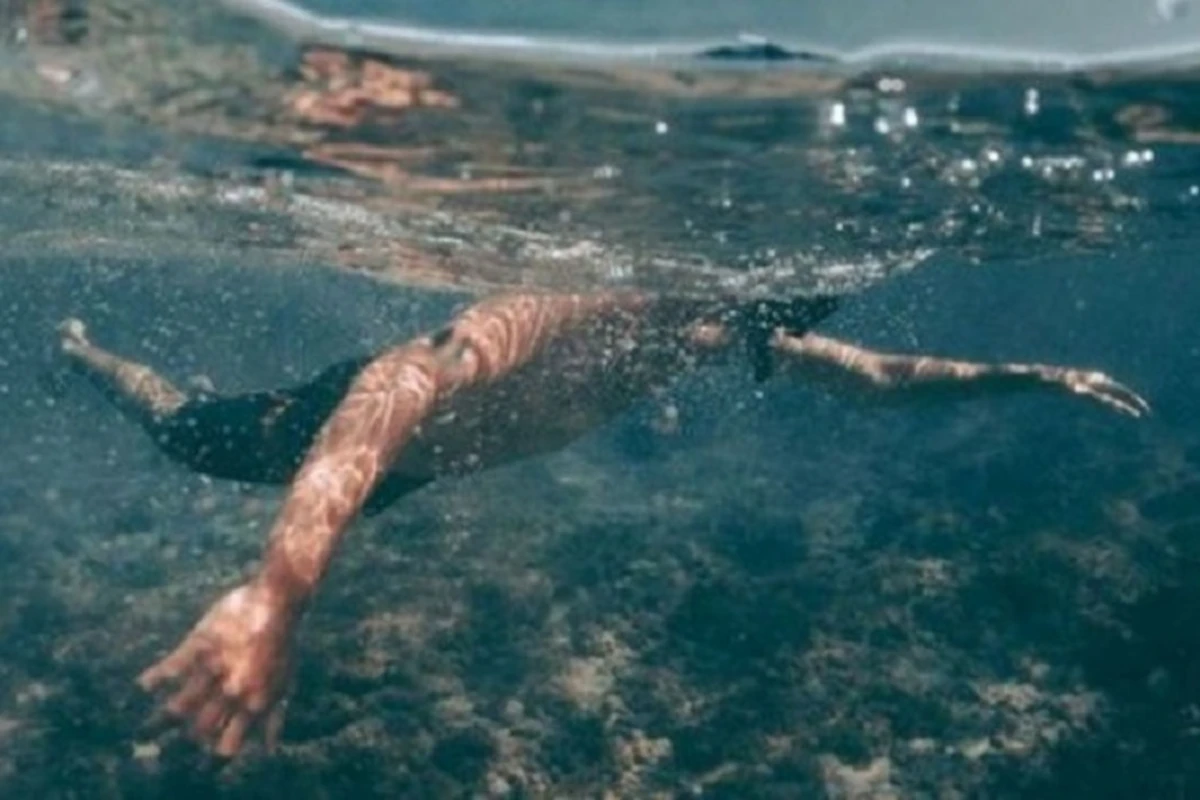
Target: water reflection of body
<point x="511" y="377"/>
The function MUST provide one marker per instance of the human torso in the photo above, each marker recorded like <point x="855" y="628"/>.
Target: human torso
<point x="578" y="381"/>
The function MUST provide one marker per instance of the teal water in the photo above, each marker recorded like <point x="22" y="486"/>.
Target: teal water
<point x="800" y="593"/>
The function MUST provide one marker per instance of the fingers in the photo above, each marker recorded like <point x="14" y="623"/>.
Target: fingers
<point x="1131" y="399"/>
<point x="1117" y="396"/>
<point x="219" y="713"/>
<point x="191" y="697"/>
<point x="1124" y="405"/>
<point x="210" y="720"/>
<point x="1113" y="394"/>
<point x="234" y="735"/>
<point x="216" y="720"/>
<point x="170" y="667"/>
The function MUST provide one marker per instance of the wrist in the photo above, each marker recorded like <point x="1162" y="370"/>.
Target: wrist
<point x="282" y="588"/>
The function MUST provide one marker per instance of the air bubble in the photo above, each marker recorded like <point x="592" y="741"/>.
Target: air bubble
<point x="1033" y="102"/>
<point x="837" y="114"/>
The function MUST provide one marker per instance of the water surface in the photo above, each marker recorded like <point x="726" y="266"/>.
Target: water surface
<point x="799" y="593"/>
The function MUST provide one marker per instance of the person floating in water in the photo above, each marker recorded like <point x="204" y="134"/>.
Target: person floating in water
<point x="510" y="377"/>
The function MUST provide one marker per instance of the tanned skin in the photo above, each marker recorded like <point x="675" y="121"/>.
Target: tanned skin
<point x="510" y="377"/>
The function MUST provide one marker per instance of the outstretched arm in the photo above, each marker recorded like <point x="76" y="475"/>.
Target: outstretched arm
<point x="233" y="668"/>
<point x="829" y="359"/>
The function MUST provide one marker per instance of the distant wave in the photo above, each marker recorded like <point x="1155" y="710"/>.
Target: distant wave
<point x="400" y="38"/>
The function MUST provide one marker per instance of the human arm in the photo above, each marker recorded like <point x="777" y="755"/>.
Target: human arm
<point x="232" y="670"/>
<point x="833" y="360"/>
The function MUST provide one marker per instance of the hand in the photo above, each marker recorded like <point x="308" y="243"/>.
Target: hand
<point x="1100" y="387"/>
<point x="232" y="670"/>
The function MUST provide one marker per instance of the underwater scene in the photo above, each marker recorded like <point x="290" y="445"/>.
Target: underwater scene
<point x="757" y="425"/>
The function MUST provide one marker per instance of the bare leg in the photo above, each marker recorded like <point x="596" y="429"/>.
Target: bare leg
<point x="259" y="437"/>
<point x="136" y="389"/>
<point x="829" y="359"/>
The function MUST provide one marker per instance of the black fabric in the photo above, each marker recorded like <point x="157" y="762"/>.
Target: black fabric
<point x="259" y="437"/>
